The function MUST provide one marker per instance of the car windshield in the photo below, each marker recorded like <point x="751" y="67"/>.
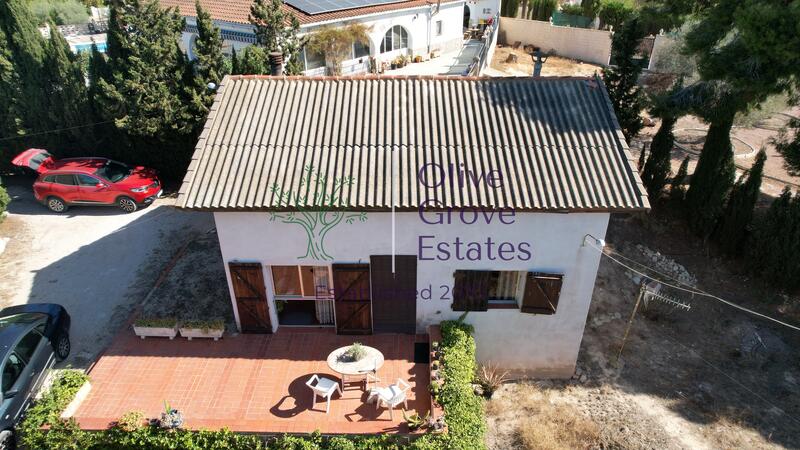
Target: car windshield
<point x="19" y="319"/>
<point x="114" y="171"/>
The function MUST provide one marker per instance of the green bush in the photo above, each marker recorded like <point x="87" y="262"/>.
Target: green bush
<point x="572" y="10"/>
<point x="463" y="409"/>
<point x="48" y="408"/>
<point x="5" y="199"/>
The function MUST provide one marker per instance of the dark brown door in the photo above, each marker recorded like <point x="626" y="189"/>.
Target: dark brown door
<point x="394" y="295"/>
<point x="251" y="297"/>
<point x="352" y="298"/>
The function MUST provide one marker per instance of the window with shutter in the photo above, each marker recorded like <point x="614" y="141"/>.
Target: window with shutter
<point x="471" y="290"/>
<point x="541" y="293"/>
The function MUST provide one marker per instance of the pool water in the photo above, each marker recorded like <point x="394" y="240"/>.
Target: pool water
<point x="101" y="46"/>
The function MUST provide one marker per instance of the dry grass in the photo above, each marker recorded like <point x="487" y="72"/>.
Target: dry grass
<point x="543" y="424"/>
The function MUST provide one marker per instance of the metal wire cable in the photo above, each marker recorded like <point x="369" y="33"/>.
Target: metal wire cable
<point x="690" y="289"/>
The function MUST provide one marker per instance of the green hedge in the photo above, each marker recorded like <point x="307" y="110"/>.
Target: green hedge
<point x="463" y="415"/>
<point x="463" y="409"/>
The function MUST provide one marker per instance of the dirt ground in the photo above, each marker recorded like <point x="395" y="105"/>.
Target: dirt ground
<point x="711" y="377"/>
<point x="96" y="261"/>
<point x="555" y="65"/>
<point x="745" y="139"/>
<point x="195" y="286"/>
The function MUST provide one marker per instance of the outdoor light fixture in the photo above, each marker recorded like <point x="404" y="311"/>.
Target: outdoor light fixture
<point x="598" y="242"/>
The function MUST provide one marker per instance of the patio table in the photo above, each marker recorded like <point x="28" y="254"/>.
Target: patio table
<point x="372" y="361"/>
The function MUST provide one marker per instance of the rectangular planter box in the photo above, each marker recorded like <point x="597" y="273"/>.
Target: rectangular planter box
<point x="144" y="332"/>
<point x="190" y="333"/>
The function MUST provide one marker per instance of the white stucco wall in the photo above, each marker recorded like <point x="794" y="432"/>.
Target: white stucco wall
<point x="540" y="345"/>
<point x="583" y="44"/>
<point x="482" y="10"/>
<point x="419" y="22"/>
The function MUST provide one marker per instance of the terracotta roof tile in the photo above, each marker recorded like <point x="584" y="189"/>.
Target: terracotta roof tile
<point x="238" y="11"/>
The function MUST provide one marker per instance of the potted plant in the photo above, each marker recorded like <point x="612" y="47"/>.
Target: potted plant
<point x="170" y="418"/>
<point x="156" y="327"/>
<point x="131" y="421"/>
<point x="415" y="421"/>
<point x="203" y="329"/>
<point x="355" y="352"/>
<point x="418" y="58"/>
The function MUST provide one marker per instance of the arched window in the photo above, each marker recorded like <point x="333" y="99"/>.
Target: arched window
<point x="396" y="38"/>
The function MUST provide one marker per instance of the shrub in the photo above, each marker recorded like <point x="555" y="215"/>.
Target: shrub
<point x="156" y="322"/>
<point x="131" y="421"/>
<point x="615" y="12"/>
<point x="5" y="199"/>
<point x="463" y="409"/>
<point x="491" y="378"/>
<point x="61" y="12"/>
<point x="48" y="408"/>
<point x="572" y="10"/>
<point x="205" y="325"/>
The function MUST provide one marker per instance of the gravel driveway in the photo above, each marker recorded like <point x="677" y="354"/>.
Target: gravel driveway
<point x="96" y="261"/>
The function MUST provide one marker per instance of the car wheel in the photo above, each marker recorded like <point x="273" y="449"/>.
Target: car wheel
<point x="56" y="205"/>
<point x="7" y="441"/>
<point x="127" y="204"/>
<point x="62" y="346"/>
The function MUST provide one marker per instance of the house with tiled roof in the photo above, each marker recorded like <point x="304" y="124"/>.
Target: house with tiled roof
<point x="371" y="205"/>
<point x="411" y="28"/>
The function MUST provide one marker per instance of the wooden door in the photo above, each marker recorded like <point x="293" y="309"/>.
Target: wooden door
<point x="251" y="297"/>
<point x="351" y="292"/>
<point x="394" y="295"/>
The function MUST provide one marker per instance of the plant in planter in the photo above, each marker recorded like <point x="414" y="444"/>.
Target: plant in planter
<point x="355" y="352"/>
<point x="435" y="390"/>
<point x="415" y="421"/>
<point x="437" y="424"/>
<point x="435" y="364"/>
<point x="156" y="327"/>
<point x="203" y="329"/>
<point x="170" y="418"/>
<point x="490" y="377"/>
<point x="131" y="421"/>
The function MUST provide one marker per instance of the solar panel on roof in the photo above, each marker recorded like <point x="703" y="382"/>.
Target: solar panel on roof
<point x="324" y="6"/>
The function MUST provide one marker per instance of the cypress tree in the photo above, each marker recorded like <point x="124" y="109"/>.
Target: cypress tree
<point x="146" y="89"/>
<point x="209" y="65"/>
<point x="26" y="46"/>
<point x="67" y="94"/>
<point x="774" y="250"/>
<point x="676" y="190"/>
<point x="235" y="63"/>
<point x="9" y="116"/>
<point x="621" y="79"/>
<point x="733" y="226"/>
<point x="656" y="170"/>
<point x="149" y="86"/>
<point x="272" y="32"/>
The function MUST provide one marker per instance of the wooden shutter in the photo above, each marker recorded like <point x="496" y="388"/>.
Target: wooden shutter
<point x="394" y="295"/>
<point x="251" y="297"/>
<point x="352" y="298"/>
<point x="541" y="293"/>
<point x="471" y="290"/>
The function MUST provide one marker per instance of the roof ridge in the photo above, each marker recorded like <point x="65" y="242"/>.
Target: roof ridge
<point x="410" y="77"/>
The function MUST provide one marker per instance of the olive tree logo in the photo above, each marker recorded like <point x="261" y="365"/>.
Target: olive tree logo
<point x="310" y="203"/>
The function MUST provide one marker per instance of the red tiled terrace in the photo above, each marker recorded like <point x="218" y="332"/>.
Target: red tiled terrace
<point x="248" y="383"/>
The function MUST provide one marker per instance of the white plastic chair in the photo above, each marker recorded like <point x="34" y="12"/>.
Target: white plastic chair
<point x="392" y="396"/>
<point x="324" y="388"/>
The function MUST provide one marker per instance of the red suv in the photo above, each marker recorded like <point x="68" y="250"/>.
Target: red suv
<point x="89" y="181"/>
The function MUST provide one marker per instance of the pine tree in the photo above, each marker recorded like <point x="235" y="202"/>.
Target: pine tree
<point x="209" y="65"/>
<point x="734" y="223"/>
<point x="677" y="192"/>
<point x="26" y="46"/>
<point x="621" y="79"/>
<point x="68" y="98"/>
<point x="254" y="61"/>
<point x="273" y="33"/>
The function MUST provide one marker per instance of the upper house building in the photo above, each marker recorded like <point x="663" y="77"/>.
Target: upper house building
<point x="397" y="27"/>
<point x="375" y="205"/>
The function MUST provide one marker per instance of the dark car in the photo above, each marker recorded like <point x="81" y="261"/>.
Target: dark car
<point x="89" y="181"/>
<point x="32" y="338"/>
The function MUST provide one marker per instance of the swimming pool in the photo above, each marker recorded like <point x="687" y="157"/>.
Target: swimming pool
<point x="101" y="46"/>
